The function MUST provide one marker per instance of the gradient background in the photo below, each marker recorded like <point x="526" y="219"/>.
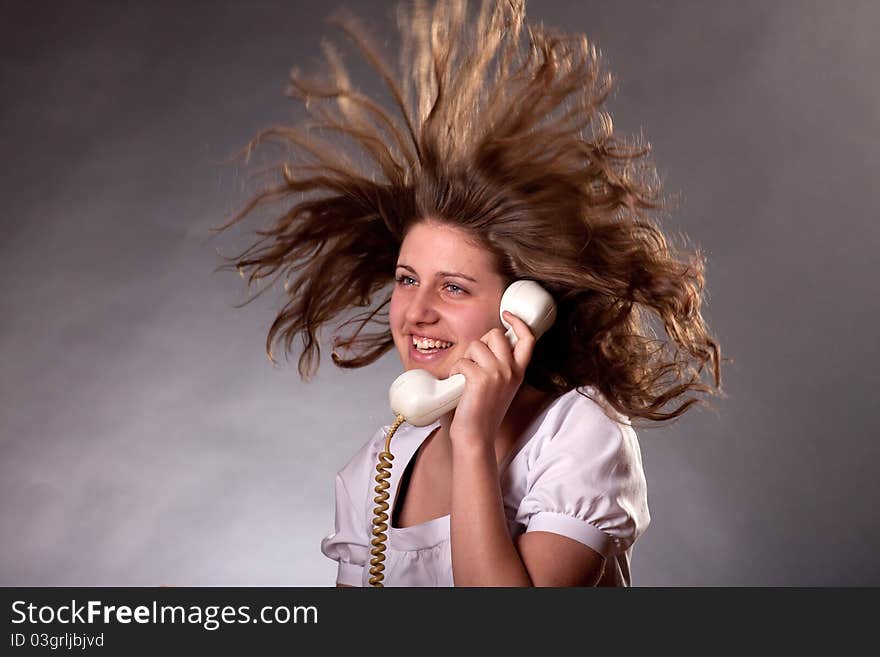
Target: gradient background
<point x="145" y="438"/>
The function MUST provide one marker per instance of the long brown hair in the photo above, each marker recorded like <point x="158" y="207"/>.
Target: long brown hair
<point x="497" y="130"/>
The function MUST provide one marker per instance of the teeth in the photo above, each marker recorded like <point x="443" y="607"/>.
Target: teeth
<point x="428" y="343"/>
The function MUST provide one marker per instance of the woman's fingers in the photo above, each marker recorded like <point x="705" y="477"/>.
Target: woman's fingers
<point x="500" y="348"/>
<point x="479" y="352"/>
<point x="525" y="345"/>
<point x="492" y="352"/>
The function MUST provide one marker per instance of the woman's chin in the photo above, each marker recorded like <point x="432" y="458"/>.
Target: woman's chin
<point x="437" y="371"/>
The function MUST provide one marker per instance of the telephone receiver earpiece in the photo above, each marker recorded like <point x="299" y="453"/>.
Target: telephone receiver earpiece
<point x="421" y="399"/>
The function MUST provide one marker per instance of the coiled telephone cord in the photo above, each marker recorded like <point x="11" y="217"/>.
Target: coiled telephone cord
<point x="379" y="512"/>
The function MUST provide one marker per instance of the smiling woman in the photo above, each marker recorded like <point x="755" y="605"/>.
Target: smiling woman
<point x="498" y="166"/>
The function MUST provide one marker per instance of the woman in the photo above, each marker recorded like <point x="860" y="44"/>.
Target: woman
<point x="500" y="167"/>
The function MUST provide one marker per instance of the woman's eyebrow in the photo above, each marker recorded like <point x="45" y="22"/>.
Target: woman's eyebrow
<point x="441" y="273"/>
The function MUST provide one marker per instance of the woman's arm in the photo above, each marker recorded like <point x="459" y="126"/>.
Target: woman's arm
<point x="484" y="554"/>
<point x="556" y="560"/>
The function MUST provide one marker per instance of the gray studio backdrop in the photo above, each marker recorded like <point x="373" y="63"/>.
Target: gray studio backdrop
<point x="146" y="439"/>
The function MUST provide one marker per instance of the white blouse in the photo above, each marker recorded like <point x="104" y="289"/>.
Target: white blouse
<point x="575" y="472"/>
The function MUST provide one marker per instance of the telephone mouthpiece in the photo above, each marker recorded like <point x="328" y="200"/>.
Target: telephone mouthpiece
<point x="422" y="399"/>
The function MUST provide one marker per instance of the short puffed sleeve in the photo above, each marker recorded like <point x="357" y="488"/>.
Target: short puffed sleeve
<point x="349" y="543"/>
<point x="585" y="481"/>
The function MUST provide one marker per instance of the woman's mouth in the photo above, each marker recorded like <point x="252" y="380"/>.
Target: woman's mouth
<point x="426" y="350"/>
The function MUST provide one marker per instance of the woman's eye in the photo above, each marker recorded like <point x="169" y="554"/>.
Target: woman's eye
<point x="407" y="281"/>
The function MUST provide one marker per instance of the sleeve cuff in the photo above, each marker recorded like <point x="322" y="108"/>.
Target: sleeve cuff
<point x="350" y="574"/>
<point x="574" y="528"/>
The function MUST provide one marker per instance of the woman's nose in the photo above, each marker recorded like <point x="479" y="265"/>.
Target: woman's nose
<point x="421" y="307"/>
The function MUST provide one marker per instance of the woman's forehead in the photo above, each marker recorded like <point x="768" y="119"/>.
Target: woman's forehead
<point x="441" y="247"/>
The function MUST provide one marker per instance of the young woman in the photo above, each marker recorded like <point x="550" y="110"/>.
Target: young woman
<point x="499" y="167"/>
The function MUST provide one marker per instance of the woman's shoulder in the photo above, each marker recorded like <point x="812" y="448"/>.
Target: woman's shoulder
<point x="585" y="403"/>
<point x="581" y="471"/>
<point x="366" y="453"/>
<point x="583" y="420"/>
<point x="364" y="460"/>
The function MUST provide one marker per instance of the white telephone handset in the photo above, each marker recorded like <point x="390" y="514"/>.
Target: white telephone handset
<point x="421" y="398"/>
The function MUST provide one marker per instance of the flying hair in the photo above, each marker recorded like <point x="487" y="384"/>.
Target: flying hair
<point x="497" y="129"/>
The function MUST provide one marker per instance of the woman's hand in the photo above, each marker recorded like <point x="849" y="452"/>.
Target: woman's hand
<point x="493" y="373"/>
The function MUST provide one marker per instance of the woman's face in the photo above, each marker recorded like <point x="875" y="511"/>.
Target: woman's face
<point x="447" y="290"/>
